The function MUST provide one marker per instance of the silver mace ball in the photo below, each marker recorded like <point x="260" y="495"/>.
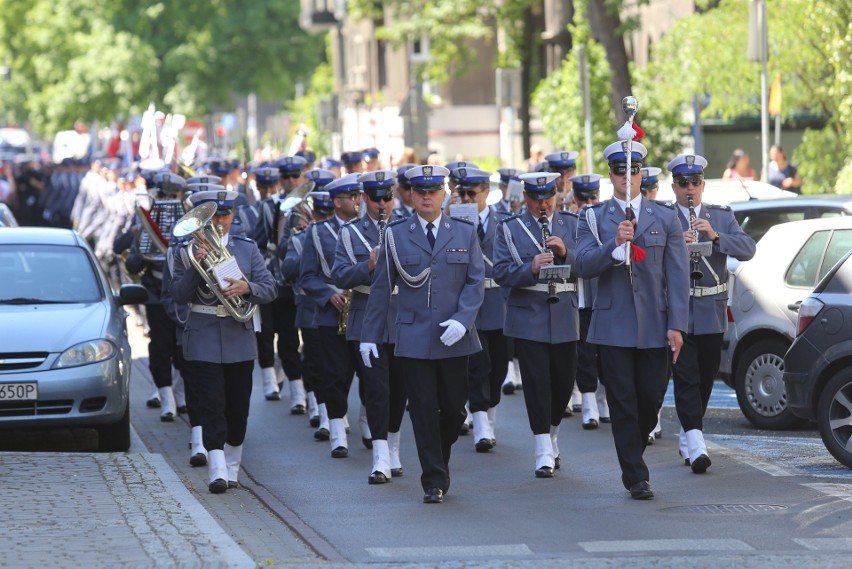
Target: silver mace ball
<point x="630" y="106"/>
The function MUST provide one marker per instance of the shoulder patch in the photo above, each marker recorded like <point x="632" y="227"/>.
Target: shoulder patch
<point x="721" y="207"/>
<point x="469" y="222"/>
<point x="568" y="213"/>
<point x="510" y="217"/>
<point x="669" y="205"/>
<point x="243" y="238"/>
<point x="397" y="221"/>
<point x="351" y="221"/>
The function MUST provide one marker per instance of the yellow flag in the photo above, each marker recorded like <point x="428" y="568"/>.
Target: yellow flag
<point x="775" y="96"/>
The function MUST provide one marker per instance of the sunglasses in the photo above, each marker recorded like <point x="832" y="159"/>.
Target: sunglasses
<point x="621" y="169"/>
<point x="469" y="193"/>
<point x="381" y="199"/>
<point x="292" y="175"/>
<point x="684" y="181"/>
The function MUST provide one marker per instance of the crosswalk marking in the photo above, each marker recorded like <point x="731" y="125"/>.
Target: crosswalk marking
<point x="722" y="397"/>
<point x="451" y="551"/>
<point x="826" y="543"/>
<point x="665" y="545"/>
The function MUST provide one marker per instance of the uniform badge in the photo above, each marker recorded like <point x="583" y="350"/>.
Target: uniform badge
<point x="586" y="179"/>
<point x="412" y="227"/>
<point x="427" y="171"/>
<point x="447" y="225"/>
<point x="564" y="156"/>
<point x="690" y="162"/>
<point x="463" y="172"/>
<point x="611" y="209"/>
<point x="559" y="221"/>
<point x="648" y="209"/>
<point x="624" y="145"/>
<point x="541" y="181"/>
<point x="380" y="177"/>
<point x="221" y="196"/>
<point x="289" y="160"/>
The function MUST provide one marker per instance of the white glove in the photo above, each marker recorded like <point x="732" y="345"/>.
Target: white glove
<point x="367" y="348"/>
<point x="455" y="331"/>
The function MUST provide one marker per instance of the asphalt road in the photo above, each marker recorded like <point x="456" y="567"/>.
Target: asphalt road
<point x="770" y="498"/>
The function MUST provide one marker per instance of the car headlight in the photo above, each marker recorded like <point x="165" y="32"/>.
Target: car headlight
<point x="85" y="353"/>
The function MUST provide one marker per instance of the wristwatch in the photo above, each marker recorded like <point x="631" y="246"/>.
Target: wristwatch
<point x="716" y="238"/>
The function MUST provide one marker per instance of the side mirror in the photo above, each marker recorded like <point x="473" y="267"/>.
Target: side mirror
<point x="132" y="294"/>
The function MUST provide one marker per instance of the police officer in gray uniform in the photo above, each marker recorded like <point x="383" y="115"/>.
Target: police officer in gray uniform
<point x="338" y="357"/>
<point x="403" y="191"/>
<point x="354" y="264"/>
<point x="436" y="262"/>
<point x="641" y="310"/>
<point x="698" y="363"/>
<point x="220" y="349"/>
<point x="487" y="368"/>
<point x="541" y="314"/>
<point x="291" y="248"/>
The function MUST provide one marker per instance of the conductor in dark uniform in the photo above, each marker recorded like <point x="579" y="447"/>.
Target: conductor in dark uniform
<point x="641" y="310"/>
<point x="698" y="363"/>
<point x="220" y="349"/>
<point x="436" y="262"/>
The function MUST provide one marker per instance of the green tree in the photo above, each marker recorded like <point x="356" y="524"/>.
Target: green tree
<point x="93" y="59"/>
<point x="808" y="46"/>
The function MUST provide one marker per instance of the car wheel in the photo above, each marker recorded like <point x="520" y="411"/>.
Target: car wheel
<point x="115" y="437"/>
<point x="760" y="386"/>
<point x="834" y="416"/>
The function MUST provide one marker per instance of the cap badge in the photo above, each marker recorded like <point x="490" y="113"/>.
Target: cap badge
<point x="624" y="145"/>
<point x="221" y="196"/>
<point x="586" y="179"/>
<point x="380" y="177"/>
<point x="564" y="156"/>
<point x="463" y="172"/>
<point x="289" y="160"/>
<point x="541" y="181"/>
<point x="690" y="161"/>
<point x="427" y="171"/>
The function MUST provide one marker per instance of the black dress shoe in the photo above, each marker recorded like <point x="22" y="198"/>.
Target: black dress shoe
<point x="590" y="425"/>
<point x="433" y="496"/>
<point x="198" y="459"/>
<point x="314" y="422"/>
<point x="396" y="472"/>
<point x="641" y="491"/>
<point x="568" y="412"/>
<point x="218" y="486"/>
<point x="153" y="403"/>
<point x="651" y="440"/>
<point x="181" y="409"/>
<point x="658" y="434"/>
<point x="465" y="429"/>
<point x="167" y="417"/>
<point x="232" y="484"/>
<point x="274" y="396"/>
<point x="368" y="443"/>
<point x="686" y="462"/>
<point x="508" y="388"/>
<point x="606" y="420"/>
<point x="321" y="434"/>
<point x="298" y="409"/>
<point x="557" y="462"/>
<point x="544" y="472"/>
<point x="700" y="464"/>
<point x="378" y="477"/>
<point x="576" y="408"/>
<point x="340" y="452"/>
<point x="484" y="445"/>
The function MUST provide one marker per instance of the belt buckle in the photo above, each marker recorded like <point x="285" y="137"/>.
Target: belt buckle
<point x="221" y="312"/>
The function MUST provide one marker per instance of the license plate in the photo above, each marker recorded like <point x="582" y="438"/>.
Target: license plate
<point x="19" y="391"/>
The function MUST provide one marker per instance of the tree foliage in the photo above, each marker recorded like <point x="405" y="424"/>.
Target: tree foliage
<point x="94" y="59"/>
<point x="809" y="47"/>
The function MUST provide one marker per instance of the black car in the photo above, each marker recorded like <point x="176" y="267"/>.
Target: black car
<point x="818" y="366"/>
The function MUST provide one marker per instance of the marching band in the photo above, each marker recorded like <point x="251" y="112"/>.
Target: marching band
<point x="438" y="301"/>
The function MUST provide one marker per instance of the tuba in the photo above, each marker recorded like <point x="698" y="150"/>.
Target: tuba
<point x="197" y="223"/>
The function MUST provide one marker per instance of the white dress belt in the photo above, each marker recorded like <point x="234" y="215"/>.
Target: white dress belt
<point x="559" y="287"/>
<point x="701" y="291"/>
<point x="218" y="310"/>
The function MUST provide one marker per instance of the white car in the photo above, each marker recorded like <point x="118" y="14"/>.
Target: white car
<point x="763" y="300"/>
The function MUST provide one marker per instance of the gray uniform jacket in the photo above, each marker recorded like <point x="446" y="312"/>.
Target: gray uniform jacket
<point x="315" y="274"/>
<point x="708" y="314"/>
<point x="207" y="337"/>
<point x="453" y="289"/>
<point x="639" y="315"/>
<point x="306" y="310"/>
<point x="492" y="313"/>
<point x="355" y="275"/>
<point x="528" y="314"/>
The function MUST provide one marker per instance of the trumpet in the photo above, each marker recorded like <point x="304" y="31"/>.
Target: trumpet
<point x="552" y="297"/>
<point x="197" y="223"/>
<point x="695" y="272"/>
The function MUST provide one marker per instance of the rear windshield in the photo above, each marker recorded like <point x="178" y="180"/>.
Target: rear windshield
<point x="33" y="274"/>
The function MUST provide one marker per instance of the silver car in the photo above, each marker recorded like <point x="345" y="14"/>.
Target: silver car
<point x="64" y="355"/>
<point x="764" y="297"/>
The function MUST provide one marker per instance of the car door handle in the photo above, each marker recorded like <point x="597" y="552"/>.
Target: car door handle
<point x="795" y="306"/>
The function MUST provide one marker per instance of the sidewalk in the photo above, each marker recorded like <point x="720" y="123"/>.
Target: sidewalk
<point x="135" y="509"/>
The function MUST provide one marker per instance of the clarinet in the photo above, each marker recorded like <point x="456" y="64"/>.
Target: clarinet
<point x="382" y="225"/>
<point x="552" y="297"/>
<point x="695" y="272"/>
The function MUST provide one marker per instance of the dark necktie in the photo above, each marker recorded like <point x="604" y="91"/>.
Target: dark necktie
<point x="429" y="235"/>
<point x="481" y="232"/>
